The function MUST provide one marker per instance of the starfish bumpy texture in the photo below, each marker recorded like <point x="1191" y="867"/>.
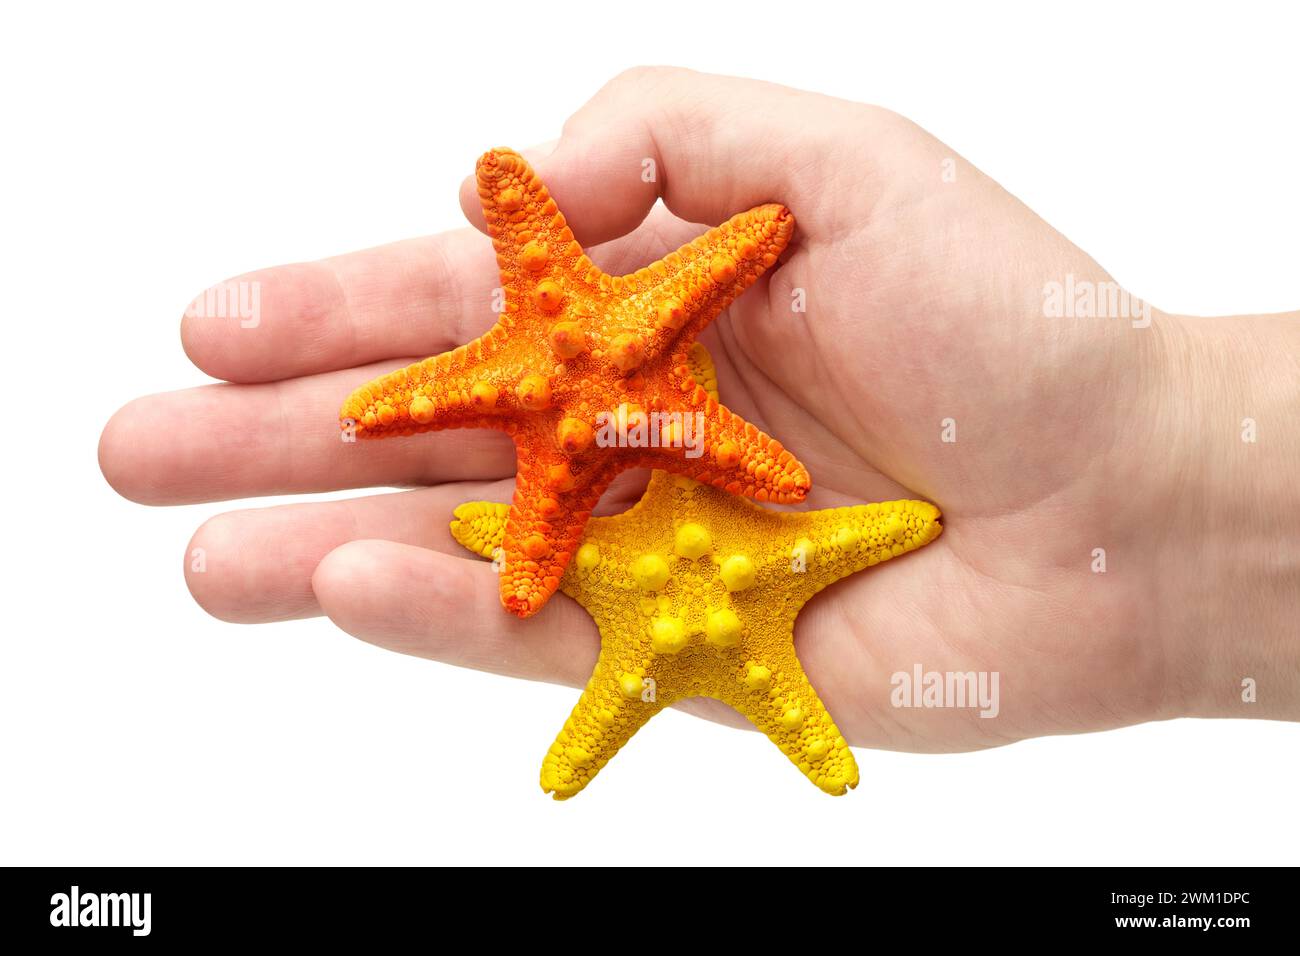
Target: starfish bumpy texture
<point x="573" y="346"/>
<point x="695" y="593"/>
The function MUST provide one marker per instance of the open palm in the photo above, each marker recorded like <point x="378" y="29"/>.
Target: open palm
<point x="900" y="350"/>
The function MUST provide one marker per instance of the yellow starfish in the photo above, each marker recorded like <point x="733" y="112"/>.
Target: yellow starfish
<point x="695" y="592"/>
<point x="576" y="350"/>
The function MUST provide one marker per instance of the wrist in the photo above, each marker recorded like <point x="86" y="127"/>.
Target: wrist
<point x="1226" y="574"/>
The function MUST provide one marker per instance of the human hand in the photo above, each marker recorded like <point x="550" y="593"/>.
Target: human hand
<point x="923" y="283"/>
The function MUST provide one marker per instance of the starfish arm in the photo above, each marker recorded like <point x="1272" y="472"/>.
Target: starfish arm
<point x="603" y="561"/>
<point x="451" y="390"/>
<point x="617" y="702"/>
<point x="824" y="546"/>
<point x="618" y="699"/>
<point x="533" y="539"/>
<point x="675" y="298"/>
<point x="773" y="691"/>
<point x="480" y="526"/>
<point x="699" y="365"/>
<point x="714" y="445"/>
<point x="721" y="448"/>
<point x="551" y="507"/>
<point x="541" y="263"/>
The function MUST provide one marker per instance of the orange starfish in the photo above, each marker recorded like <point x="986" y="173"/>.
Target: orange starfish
<point x="588" y="373"/>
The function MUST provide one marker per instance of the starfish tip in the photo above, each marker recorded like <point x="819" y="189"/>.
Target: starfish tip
<point x="498" y="162"/>
<point x="783" y="218"/>
<point x="777" y="212"/>
<point x="521" y="607"/>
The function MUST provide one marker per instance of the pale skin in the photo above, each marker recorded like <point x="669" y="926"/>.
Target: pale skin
<point x="924" y="289"/>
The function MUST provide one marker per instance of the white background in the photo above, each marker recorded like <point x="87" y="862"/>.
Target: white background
<point x="150" y="151"/>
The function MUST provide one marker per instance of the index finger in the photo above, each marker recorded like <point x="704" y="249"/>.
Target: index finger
<point x="415" y="297"/>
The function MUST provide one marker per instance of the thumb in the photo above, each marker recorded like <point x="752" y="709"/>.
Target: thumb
<point x="709" y="146"/>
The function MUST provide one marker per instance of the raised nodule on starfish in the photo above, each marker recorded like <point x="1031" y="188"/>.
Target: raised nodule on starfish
<point x="589" y="374"/>
<point x="695" y="592"/>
